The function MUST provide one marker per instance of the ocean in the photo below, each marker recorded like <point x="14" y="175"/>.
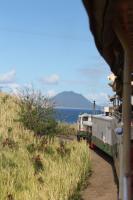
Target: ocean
<point x="71" y="115"/>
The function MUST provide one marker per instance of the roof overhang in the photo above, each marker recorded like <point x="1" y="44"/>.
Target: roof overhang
<point x="101" y="19"/>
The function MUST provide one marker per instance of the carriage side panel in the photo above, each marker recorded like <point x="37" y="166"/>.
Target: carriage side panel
<point x="102" y="133"/>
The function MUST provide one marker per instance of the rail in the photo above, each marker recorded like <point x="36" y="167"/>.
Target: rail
<point x="117" y="115"/>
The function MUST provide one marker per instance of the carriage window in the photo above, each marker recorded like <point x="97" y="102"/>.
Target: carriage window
<point x="85" y="118"/>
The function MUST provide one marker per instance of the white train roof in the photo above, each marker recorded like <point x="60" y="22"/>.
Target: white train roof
<point x="85" y="115"/>
<point x="104" y="117"/>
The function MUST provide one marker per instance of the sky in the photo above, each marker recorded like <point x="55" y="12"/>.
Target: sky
<point x="48" y="44"/>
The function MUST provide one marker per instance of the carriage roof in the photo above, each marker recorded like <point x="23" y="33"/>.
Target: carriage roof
<point x="84" y="115"/>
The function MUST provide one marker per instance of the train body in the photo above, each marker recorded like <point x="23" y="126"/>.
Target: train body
<point x="102" y="133"/>
<point x="105" y="132"/>
<point x="84" y="127"/>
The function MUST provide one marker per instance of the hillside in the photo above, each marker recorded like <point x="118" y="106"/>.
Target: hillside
<point x="69" y="99"/>
<point x="29" y="165"/>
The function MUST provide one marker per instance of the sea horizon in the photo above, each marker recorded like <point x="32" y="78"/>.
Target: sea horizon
<point x="58" y="107"/>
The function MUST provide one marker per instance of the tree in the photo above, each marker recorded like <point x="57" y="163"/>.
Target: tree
<point x="37" y="112"/>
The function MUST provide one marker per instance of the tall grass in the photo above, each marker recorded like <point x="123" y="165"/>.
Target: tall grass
<point x="32" y="167"/>
<point x="67" y="129"/>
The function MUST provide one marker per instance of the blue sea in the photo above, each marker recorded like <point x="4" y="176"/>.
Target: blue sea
<point x="71" y="115"/>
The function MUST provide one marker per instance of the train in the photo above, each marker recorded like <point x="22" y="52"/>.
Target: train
<point x="104" y="131"/>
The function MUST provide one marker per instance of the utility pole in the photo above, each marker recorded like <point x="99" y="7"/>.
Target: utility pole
<point x="94" y="107"/>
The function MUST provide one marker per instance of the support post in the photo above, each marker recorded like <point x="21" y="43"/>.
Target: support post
<point x="126" y="110"/>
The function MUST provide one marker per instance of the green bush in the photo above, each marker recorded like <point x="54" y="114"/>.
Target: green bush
<point x="66" y="129"/>
<point x="36" y="112"/>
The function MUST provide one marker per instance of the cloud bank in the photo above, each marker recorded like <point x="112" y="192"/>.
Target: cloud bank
<point x="8" y="81"/>
<point x="8" y="77"/>
<point x="50" y="80"/>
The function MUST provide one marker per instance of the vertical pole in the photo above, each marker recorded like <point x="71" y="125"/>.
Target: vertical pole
<point x="126" y="110"/>
<point x="94" y="107"/>
<point x="121" y="169"/>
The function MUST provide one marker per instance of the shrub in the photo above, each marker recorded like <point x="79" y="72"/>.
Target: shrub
<point x="36" y="112"/>
<point x="66" y="129"/>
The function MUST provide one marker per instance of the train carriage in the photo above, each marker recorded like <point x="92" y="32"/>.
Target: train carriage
<point x="102" y="133"/>
<point x="84" y="127"/>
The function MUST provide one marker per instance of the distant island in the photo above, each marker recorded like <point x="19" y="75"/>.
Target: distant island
<point x="70" y="99"/>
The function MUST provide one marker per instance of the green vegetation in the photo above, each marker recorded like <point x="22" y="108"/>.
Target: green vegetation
<point x="33" y="167"/>
<point x="36" y="112"/>
<point x="66" y="129"/>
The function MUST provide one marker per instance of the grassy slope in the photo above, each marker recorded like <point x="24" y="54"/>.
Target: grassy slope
<point x="32" y="169"/>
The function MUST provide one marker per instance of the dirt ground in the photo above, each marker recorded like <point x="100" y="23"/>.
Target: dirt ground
<point x="102" y="184"/>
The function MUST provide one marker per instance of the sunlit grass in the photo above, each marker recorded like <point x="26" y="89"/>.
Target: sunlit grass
<point x="67" y="129"/>
<point x="33" y="168"/>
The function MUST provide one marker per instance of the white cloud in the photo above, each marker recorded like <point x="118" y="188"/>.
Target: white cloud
<point x="14" y="87"/>
<point x="100" y="98"/>
<point x="51" y="93"/>
<point x="8" y="77"/>
<point x="28" y="85"/>
<point x="7" y="82"/>
<point x="51" y="80"/>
